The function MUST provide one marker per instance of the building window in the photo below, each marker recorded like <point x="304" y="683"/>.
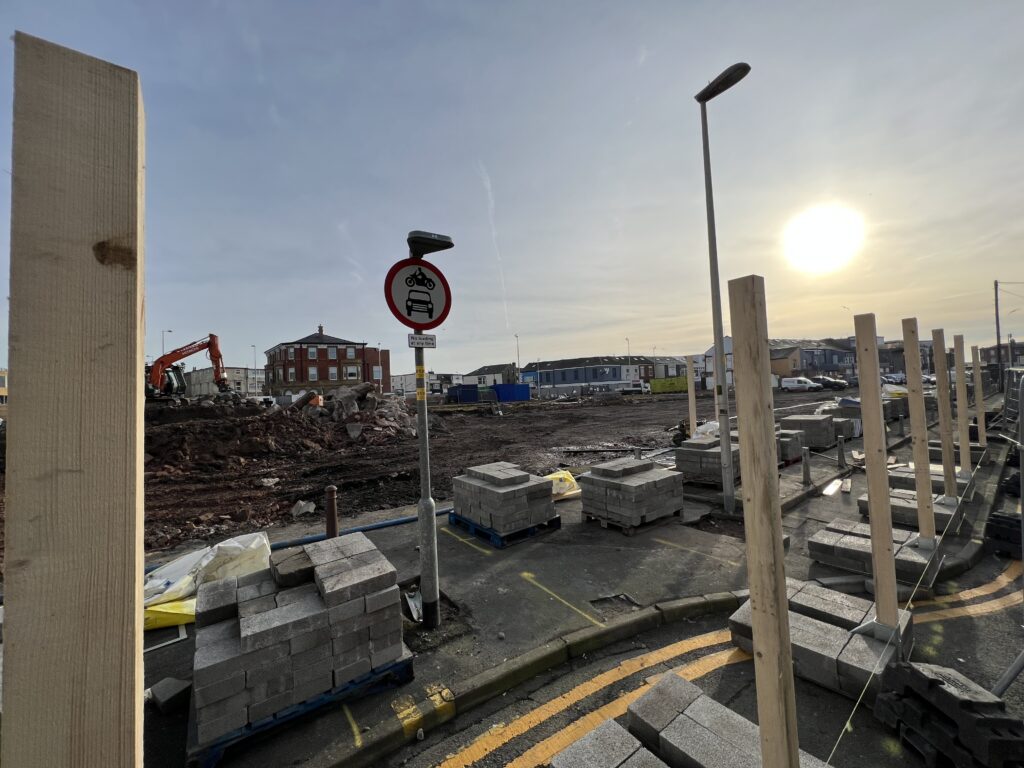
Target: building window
<point x="562" y="373"/>
<point x="350" y="353"/>
<point x="576" y="375"/>
<point x="311" y="353"/>
<point x="312" y="373"/>
<point x="291" y="374"/>
<point x="332" y="373"/>
<point x="332" y="353"/>
<point x="291" y="353"/>
<point x="351" y="372"/>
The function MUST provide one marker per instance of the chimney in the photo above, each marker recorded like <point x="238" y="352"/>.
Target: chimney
<point x="321" y="330"/>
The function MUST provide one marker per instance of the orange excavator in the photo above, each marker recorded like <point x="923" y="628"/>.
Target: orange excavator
<point x="165" y="379"/>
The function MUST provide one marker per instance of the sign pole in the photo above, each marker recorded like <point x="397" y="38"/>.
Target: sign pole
<point x="428" y="527"/>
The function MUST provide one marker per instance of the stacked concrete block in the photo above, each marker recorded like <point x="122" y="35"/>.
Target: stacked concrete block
<point x="789" y="444"/>
<point x="700" y="461"/>
<point x="847" y="545"/>
<point x="631" y="492"/>
<point x="503" y="498"/>
<point x="322" y="616"/>
<point x="845" y="428"/>
<point x="607" y="746"/>
<point x="684" y="727"/>
<point x="903" y="506"/>
<point x="818" y="429"/>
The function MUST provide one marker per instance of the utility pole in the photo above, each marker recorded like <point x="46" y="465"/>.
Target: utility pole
<point x="999" y="340"/>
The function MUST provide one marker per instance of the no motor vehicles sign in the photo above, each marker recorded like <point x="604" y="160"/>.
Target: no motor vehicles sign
<point x="417" y="294"/>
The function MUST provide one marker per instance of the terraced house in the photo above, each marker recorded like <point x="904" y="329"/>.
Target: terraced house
<point x="322" y="362"/>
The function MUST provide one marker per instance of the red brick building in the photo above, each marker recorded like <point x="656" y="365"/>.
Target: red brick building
<point x="323" y="362"/>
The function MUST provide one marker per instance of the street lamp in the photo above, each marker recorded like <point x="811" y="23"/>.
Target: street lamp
<point x="720" y="84"/>
<point x="162" y="350"/>
<point x="629" y="359"/>
<point x="519" y="376"/>
<point x="253" y="367"/>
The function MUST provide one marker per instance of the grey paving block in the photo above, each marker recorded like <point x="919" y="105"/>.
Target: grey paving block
<point x="256" y="676"/>
<point x="824" y="542"/>
<point x="291" y="567"/>
<point x="319" y="684"/>
<point x="315" y="671"/>
<point x="382" y="599"/>
<point x="622" y="467"/>
<point x="293" y="594"/>
<point x="223" y="707"/>
<point x="270" y="706"/>
<point x="271" y="688"/>
<point x="282" y="624"/>
<point x="349" y="640"/>
<point x="383" y="656"/>
<point x="170" y="694"/>
<point x="687" y="743"/>
<point x="351" y="655"/>
<point x="254" y="578"/>
<point x="386" y="641"/>
<point x="365" y="579"/>
<point x="607" y="746"/>
<point x="346" y="674"/>
<point x="346" y="610"/>
<point x="213" y="729"/>
<point x="213" y="633"/>
<point x="266" y="586"/>
<point x="258" y="605"/>
<point x="816" y="647"/>
<point x="215" y="602"/>
<point x="643" y="759"/>
<point x="651" y="713"/>
<point x="221" y="689"/>
<point x="345" y="564"/>
<point x="312" y="656"/>
<point x="307" y="640"/>
<point x="338" y="548"/>
<point x="224" y="657"/>
<point x="837" y="608"/>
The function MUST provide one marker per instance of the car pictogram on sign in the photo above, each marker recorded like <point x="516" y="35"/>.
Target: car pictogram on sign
<point x="419" y="301"/>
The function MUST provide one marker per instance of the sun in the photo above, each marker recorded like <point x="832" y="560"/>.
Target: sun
<point x="823" y="239"/>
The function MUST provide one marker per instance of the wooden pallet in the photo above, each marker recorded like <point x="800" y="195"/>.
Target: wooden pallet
<point x="388" y="676"/>
<point x="629" y="530"/>
<point x="502" y="540"/>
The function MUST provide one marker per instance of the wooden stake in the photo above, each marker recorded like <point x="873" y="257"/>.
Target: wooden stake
<point x="945" y="415"/>
<point x="73" y="673"/>
<point x="918" y="431"/>
<point x="963" y="411"/>
<point x="979" y="397"/>
<point x="691" y="390"/>
<point x="762" y="516"/>
<point x="883" y="562"/>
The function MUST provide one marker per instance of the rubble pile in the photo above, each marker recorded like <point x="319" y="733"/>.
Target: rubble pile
<point x="366" y="415"/>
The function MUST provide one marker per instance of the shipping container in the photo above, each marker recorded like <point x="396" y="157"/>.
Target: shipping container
<point x="671" y="384"/>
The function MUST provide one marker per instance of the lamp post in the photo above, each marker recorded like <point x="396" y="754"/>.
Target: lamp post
<point x="519" y="375"/>
<point x="629" y="359"/>
<point x="163" y="351"/>
<point x="253" y="367"/>
<point x="722" y="83"/>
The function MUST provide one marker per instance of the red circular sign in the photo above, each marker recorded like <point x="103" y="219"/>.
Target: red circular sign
<point x="417" y="294"/>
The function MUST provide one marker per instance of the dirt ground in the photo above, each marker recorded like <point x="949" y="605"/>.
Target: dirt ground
<point x="214" y="473"/>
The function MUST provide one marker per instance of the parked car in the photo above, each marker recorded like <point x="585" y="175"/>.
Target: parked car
<point x="888" y="380"/>
<point x="927" y="378"/>
<point x="853" y="381"/>
<point x="897" y="378"/>
<point x="800" y="384"/>
<point x="827" y="382"/>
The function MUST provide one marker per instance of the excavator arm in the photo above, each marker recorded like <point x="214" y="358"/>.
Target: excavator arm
<point x="212" y="346"/>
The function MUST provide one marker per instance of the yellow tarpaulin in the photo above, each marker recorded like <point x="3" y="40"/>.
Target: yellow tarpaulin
<point x="170" y="614"/>
<point x="564" y="485"/>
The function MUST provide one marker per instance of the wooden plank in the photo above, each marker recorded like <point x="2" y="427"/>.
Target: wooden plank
<point x="691" y="392"/>
<point x="918" y="429"/>
<point x="945" y="413"/>
<point x="963" y="411"/>
<point x="73" y="678"/>
<point x="883" y="558"/>
<point x="762" y="517"/>
<point x="979" y="396"/>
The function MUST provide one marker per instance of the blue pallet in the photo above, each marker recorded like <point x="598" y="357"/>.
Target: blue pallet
<point x="382" y="678"/>
<point x="502" y="540"/>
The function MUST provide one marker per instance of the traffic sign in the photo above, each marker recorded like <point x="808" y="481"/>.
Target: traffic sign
<point x="417" y="294"/>
<point x="423" y="340"/>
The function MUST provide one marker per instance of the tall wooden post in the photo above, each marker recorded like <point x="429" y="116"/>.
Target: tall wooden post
<point x="762" y="517"/>
<point x="883" y="562"/>
<point x="945" y="417"/>
<point x="963" y="411"/>
<point x="919" y="434"/>
<point x="73" y="670"/>
<point x="691" y="393"/>
<point x="979" y="396"/>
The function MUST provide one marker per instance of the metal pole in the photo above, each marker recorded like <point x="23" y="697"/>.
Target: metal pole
<point x="332" y="511"/>
<point x="428" y="528"/>
<point x="999" y="340"/>
<point x="518" y="376"/>
<point x="721" y="375"/>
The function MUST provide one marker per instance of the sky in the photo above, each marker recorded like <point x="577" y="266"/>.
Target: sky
<point x="291" y="146"/>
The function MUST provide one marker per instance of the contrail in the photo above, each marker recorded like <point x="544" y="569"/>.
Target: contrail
<point x="486" y="179"/>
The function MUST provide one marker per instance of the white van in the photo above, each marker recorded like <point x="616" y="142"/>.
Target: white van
<point x="800" y="384"/>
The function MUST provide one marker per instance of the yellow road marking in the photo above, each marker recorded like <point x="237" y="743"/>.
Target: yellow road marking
<point x="357" y="737"/>
<point x="408" y="713"/>
<point x="1005" y="578"/>
<point x="470" y="542"/>
<point x="696" y="551"/>
<point x="542" y="752"/>
<point x="532" y="580"/>
<point x="978" y="609"/>
<point x="498" y="736"/>
<point x="443" y="699"/>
